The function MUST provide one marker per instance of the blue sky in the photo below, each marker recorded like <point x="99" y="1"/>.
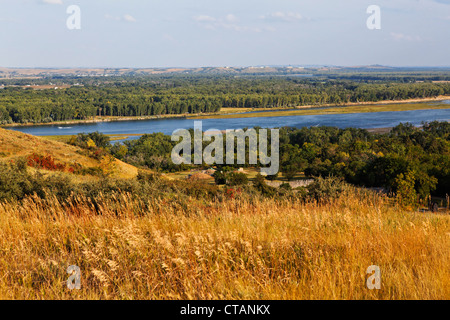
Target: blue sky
<point x="194" y="33"/>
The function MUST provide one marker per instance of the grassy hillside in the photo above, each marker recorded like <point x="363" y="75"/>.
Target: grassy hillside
<point x="15" y="145"/>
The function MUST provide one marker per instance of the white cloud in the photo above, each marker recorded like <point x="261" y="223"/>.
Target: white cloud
<point x="204" y="19"/>
<point x="283" y="16"/>
<point x="229" y="22"/>
<point x="231" y="18"/>
<point x="52" y="1"/>
<point x="404" y="37"/>
<point x="129" y="18"/>
<point x="168" y="37"/>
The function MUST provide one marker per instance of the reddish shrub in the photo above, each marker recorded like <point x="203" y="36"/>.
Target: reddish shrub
<point x="45" y="162"/>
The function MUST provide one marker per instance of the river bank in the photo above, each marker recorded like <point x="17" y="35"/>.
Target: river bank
<point x="402" y="105"/>
<point x="386" y="106"/>
<point x="97" y="120"/>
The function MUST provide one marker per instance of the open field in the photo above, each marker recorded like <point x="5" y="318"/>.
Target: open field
<point x="236" y="249"/>
<point x="237" y="110"/>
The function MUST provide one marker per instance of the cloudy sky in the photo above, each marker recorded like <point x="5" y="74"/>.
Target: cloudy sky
<point x="192" y="33"/>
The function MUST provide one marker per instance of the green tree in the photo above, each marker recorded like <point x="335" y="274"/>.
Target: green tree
<point x="406" y="193"/>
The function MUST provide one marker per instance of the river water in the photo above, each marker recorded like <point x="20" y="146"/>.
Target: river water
<point x="167" y="126"/>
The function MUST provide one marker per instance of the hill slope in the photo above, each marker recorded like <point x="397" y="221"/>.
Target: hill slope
<point x="15" y="145"/>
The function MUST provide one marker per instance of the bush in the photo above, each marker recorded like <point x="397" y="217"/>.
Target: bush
<point x="149" y="177"/>
<point x="260" y="184"/>
<point x="198" y="189"/>
<point x="119" y="150"/>
<point x="237" y="179"/>
<point x="15" y="182"/>
<point x="59" y="185"/>
<point x="285" y="186"/>
<point x="45" y="162"/>
<point x="220" y="177"/>
<point x="324" y="189"/>
<point x="91" y="140"/>
<point x="272" y="177"/>
<point x="406" y="193"/>
<point x="302" y="193"/>
<point x="91" y="171"/>
<point x="95" y="144"/>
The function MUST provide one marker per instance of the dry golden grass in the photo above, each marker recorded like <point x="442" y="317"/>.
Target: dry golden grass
<point x="236" y="249"/>
<point x="14" y="145"/>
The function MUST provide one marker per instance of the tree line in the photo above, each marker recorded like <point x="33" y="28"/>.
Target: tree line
<point x="177" y="95"/>
<point x="406" y="157"/>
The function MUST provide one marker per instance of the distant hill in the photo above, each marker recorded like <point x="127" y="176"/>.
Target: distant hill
<point x="15" y="145"/>
<point x="57" y="73"/>
<point x="31" y="73"/>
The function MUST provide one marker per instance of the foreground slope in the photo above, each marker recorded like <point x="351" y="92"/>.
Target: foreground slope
<point x="15" y="145"/>
<point x="231" y="250"/>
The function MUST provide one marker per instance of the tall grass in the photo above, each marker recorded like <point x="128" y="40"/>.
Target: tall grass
<point x="232" y="249"/>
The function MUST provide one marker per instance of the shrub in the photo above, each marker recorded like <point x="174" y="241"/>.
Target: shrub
<point x="15" y="182"/>
<point x="260" y="184"/>
<point x="237" y="179"/>
<point x="91" y="140"/>
<point x="45" y="162"/>
<point x="285" y="186"/>
<point x="150" y="177"/>
<point x="220" y="177"/>
<point x="198" y="189"/>
<point x="91" y="171"/>
<point x="302" y="193"/>
<point x="272" y="177"/>
<point x="108" y="165"/>
<point x="233" y="193"/>
<point x="119" y="150"/>
<point x="59" y="185"/>
<point x="406" y="193"/>
<point x="325" y="189"/>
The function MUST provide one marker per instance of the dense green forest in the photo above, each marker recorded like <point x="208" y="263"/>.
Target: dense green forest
<point x="407" y="156"/>
<point x="170" y="95"/>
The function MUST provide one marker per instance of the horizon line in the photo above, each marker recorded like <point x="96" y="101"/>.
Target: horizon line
<point x="236" y="67"/>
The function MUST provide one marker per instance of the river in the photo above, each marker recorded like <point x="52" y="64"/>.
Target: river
<point x="167" y="126"/>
